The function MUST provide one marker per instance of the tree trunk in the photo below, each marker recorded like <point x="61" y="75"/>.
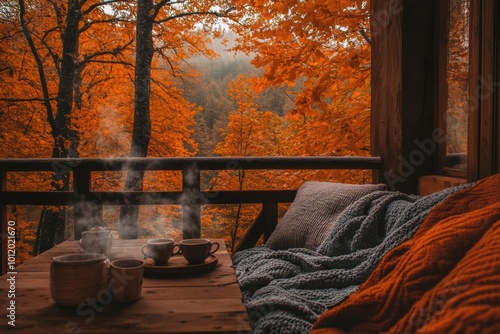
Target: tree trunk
<point x="53" y="220"/>
<point x="141" y="135"/>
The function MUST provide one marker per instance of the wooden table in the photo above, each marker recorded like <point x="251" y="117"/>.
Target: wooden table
<point x="207" y="302"/>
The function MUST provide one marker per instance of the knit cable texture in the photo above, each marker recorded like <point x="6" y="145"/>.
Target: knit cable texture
<point x="286" y="290"/>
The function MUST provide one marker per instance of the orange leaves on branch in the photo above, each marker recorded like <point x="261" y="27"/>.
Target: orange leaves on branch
<point x="319" y="44"/>
<point x="309" y="39"/>
<point x="249" y="132"/>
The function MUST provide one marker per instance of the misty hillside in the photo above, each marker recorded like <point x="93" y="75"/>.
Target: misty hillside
<point x="211" y="92"/>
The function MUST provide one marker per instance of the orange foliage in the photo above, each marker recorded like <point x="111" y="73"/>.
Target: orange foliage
<point x="103" y="94"/>
<point x="323" y="44"/>
<point x="319" y="46"/>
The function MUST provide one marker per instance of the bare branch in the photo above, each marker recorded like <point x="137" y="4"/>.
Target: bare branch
<point x="88" y="24"/>
<point x="365" y="36"/>
<point x="114" y="52"/>
<point x="8" y="68"/>
<point x="34" y="99"/>
<point x="159" y="6"/>
<point x="98" y="4"/>
<point x="218" y="14"/>
<point x="54" y="55"/>
<point x="9" y="35"/>
<point x="39" y="63"/>
<point x="59" y="14"/>
<point x="118" y="62"/>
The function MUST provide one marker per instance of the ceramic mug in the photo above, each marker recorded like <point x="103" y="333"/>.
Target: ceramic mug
<point x="160" y="250"/>
<point x="125" y="281"/>
<point x="196" y="251"/>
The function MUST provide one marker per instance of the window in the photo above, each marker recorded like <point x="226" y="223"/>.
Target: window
<point x="468" y="48"/>
<point x="453" y="85"/>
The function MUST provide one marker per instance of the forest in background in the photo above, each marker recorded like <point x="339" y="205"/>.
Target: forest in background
<point x="210" y="92"/>
<point x="298" y="85"/>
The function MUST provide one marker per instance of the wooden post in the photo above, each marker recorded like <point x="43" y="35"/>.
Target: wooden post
<point x="191" y="200"/>
<point x="86" y="214"/>
<point x="402" y="90"/>
<point x="386" y="84"/>
<point x="4" y="222"/>
<point x="483" y="151"/>
<point x="270" y="214"/>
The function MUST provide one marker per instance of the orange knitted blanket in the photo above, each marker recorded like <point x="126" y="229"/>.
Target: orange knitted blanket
<point x="446" y="279"/>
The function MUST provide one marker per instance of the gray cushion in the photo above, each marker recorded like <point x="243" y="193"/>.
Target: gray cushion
<point x="314" y="211"/>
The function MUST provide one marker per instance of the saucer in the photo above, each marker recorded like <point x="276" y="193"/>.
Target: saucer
<point x="177" y="265"/>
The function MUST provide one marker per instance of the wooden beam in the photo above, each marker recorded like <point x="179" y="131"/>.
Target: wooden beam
<point x="203" y="163"/>
<point x="191" y="202"/>
<point x="3" y="223"/>
<point x="496" y="110"/>
<point x="441" y="36"/>
<point x="484" y="78"/>
<point x="253" y="233"/>
<point x="420" y="139"/>
<point x="147" y="197"/>
<point x="265" y="224"/>
<point x="402" y="90"/>
<point x="386" y="79"/>
<point x="474" y="91"/>
<point x="487" y="97"/>
<point x="270" y="213"/>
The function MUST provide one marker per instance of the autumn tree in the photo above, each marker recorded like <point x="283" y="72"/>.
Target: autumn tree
<point x="326" y="45"/>
<point x="250" y="132"/>
<point x="166" y="17"/>
<point x="210" y="92"/>
<point x="98" y="61"/>
<point x="52" y="33"/>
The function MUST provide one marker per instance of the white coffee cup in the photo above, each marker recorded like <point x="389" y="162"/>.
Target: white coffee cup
<point x="160" y="250"/>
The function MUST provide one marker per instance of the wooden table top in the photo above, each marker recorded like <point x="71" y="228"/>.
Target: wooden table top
<point x="207" y="302"/>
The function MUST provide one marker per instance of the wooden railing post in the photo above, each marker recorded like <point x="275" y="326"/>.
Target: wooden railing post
<point x="191" y="200"/>
<point x="86" y="213"/>
<point x="270" y="214"/>
<point x="3" y="224"/>
<point x="264" y="224"/>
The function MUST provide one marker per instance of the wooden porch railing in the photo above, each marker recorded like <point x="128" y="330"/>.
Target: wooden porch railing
<point x="191" y="197"/>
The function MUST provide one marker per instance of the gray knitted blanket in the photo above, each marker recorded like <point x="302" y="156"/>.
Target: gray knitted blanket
<point x="286" y="290"/>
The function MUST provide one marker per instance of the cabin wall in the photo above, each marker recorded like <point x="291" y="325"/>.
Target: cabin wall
<point x="484" y="83"/>
<point x="406" y="127"/>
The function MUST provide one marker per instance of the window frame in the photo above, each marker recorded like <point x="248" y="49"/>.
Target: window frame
<point x="441" y="88"/>
<point x="483" y="142"/>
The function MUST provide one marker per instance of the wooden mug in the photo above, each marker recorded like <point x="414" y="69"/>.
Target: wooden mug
<point x="74" y="278"/>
